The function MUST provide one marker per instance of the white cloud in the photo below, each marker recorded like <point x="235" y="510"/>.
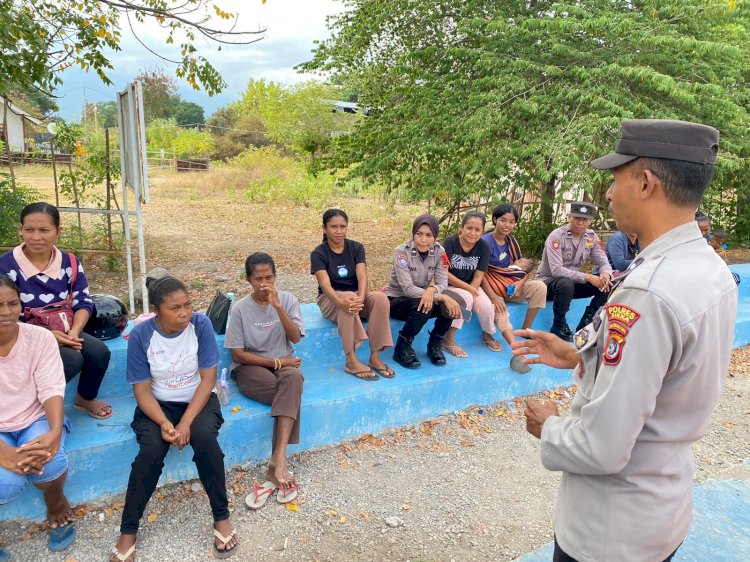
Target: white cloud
<point x="292" y="26"/>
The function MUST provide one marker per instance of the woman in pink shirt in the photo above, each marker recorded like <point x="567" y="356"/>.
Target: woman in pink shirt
<point x="32" y="424"/>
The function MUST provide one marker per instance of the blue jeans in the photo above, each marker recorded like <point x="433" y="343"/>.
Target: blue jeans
<point x="12" y="484"/>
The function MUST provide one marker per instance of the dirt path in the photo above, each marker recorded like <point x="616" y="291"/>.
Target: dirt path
<point x="468" y="486"/>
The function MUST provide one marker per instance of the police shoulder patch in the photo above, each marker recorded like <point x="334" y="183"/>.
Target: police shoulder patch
<point x="621" y="319"/>
<point x="621" y="314"/>
<point x="446" y="261"/>
<point x="556" y="244"/>
<point x="402" y="260"/>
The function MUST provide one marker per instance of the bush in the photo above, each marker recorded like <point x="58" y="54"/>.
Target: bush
<point x="10" y="208"/>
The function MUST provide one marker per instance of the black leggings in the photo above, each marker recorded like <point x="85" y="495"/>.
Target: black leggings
<point x="148" y="464"/>
<point x="92" y="362"/>
<point x="561" y="291"/>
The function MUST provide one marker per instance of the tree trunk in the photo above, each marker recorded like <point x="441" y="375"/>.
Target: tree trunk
<point x="548" y="199"/>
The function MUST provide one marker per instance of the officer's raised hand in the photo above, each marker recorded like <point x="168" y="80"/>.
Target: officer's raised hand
<point x="548" y="348"/>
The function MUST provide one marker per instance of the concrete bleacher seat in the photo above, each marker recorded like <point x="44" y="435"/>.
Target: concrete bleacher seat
<point x="335" y="406"/>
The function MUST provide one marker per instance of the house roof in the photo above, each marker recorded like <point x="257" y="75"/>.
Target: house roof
<point x="20" y="112"/>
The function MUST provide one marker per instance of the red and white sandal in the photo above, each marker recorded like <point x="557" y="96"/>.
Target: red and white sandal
<point x="260" y="494"/>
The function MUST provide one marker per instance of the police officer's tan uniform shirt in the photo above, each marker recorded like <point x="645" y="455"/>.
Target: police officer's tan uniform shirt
<point x="563" y="256"/>
<point x="648" y="380"/>
<point x="412" y="274"/>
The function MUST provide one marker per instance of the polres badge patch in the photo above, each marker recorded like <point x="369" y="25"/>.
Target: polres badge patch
<point x="446" y="261"/>
<point x="622" y="314"/>
<point x="620" y="319"/>
<point x="402" y="260"/>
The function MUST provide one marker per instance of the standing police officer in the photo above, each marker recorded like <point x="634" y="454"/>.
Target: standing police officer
<point x="565" y="251"/>
<point x="650" y="368"/>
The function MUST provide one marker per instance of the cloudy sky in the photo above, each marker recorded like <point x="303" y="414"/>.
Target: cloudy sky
<point x="291" y="28"/>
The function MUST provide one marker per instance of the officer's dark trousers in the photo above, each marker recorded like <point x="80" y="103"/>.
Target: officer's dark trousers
<point x="405" y="308"/>
<point x="148" y="464"/>
<point x="561" y="291"/>
<point x="92" y="362"/>
<point x="561" y="556"/>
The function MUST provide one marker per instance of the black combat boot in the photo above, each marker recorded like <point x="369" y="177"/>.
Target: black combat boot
<point x="562" y="331"/>
<point x="588" y="316"/>
<point x="435" y="349"/>
<point x="404" y="353"/>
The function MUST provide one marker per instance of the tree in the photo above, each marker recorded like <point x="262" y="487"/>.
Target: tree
<point x="472" y="101"/>
<point x="165" y="134"/>
<point x="187" y="113"/>
<point x="56" y="34"/>
<point x="233" y="133"/>
<point x="299" y="117"/>
<point x="35" y="102"/>
<point x="106" y="113"/>
<point x="160" y="97"/>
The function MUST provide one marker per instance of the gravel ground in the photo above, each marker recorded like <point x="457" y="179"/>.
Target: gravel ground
<point x="466" y="486"/>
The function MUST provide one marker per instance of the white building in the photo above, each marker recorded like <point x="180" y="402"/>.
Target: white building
<point x="17" y="121"/>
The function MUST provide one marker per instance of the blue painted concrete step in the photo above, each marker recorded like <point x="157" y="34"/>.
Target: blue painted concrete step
<point x="719" y="531"/>
<point x="335" y="406"/>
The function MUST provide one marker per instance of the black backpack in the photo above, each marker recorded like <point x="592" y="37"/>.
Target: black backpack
<point x="218" y="312"/>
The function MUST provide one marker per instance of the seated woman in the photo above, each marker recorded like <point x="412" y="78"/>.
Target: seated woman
<point x="45" y="275"/>
<point x="262" y="328"/>
<point x="469" y="256"/>
<point x="416" y="290"/>
<point x="33" y="427"/>
<point x="172" y="362"/>
<point x="340" y="268"/>
<point x="507" y="275"/>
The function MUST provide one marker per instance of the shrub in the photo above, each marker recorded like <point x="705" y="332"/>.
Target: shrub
<point x="10" y="208"/>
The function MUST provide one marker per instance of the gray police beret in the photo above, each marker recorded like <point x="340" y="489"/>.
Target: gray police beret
<point x="662" y="138"/>
<point x="582" y="209"/>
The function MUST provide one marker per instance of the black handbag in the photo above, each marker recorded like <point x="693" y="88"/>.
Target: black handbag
<point x="218" y="312"/>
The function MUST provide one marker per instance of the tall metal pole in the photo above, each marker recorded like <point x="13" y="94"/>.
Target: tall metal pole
<point x="54" y="171"/>
<point x="109" y="187"/>
<point x="126" y="216"/>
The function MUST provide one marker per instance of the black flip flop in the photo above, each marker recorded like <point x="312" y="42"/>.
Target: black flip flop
<point x="386" y="372"/>
<point x="357" y="373"/>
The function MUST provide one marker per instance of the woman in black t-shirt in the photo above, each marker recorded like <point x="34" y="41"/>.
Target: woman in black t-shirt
<point x="469" y="258"/>
<point x="340" y="268"/>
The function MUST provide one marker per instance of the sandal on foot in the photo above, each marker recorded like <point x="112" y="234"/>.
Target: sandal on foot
<point x="123" y="557"/>
<point x="61" y="537"/>
<point x="4" y="555"/>
<point x="385" y="371"/>
<point x="260" y="494"/>
<point x="455" y="350"/>
<point x="287" y="495"/>
<point x="493" y="344"/>
<point x="225" y="552"/>
<point x="361" y="375"/>
<point x="94" y="411"/>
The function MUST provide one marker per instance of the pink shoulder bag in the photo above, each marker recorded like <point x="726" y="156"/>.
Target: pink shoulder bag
<point x="57" y="316"/>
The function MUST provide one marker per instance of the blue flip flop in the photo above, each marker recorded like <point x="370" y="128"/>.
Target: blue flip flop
<point x="61" y="538"/>
<point x="4" y="555"/>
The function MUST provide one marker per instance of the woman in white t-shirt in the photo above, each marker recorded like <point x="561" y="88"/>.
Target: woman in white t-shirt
<point x="172" y="363"/>
<point x="262" y="329"/>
